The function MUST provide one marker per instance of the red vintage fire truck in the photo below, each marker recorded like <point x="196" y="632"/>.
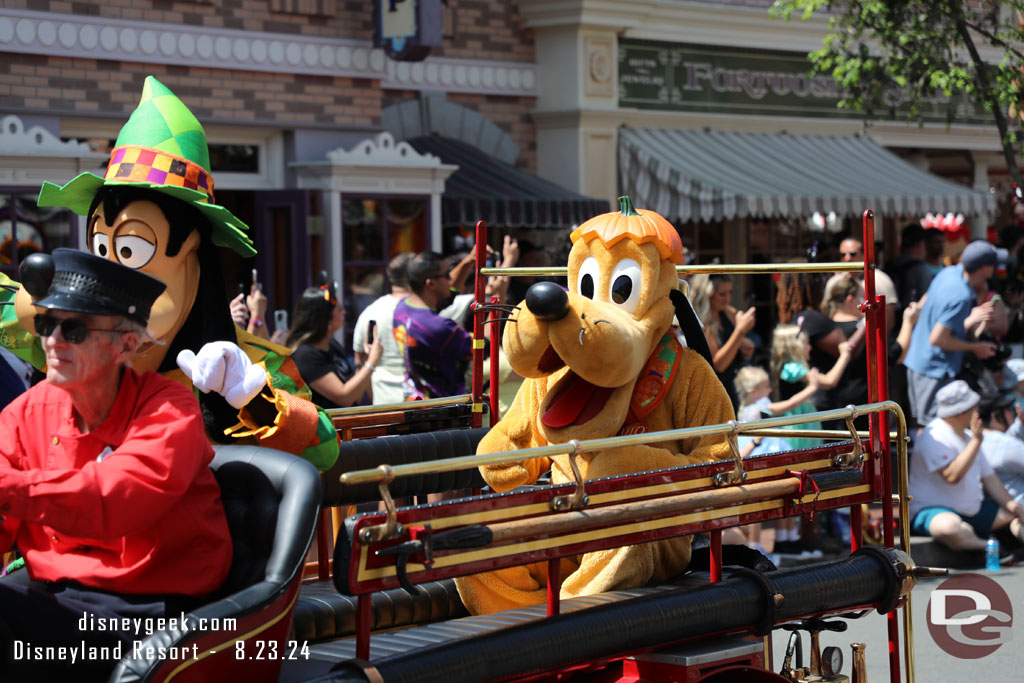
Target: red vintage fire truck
<point x="381" y="605"/>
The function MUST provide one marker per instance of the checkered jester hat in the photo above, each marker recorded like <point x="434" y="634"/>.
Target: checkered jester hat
<point x="162" y="147"/>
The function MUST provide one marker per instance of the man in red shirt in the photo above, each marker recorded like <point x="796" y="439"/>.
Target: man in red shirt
<point x="105" y="486"/>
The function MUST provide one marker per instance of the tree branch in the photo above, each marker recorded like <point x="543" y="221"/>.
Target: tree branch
<point x="980" y="69"/>
<point x="995" y="39"/>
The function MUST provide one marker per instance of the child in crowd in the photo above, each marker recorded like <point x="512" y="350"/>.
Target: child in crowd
<point x="753" y="386"/>
<point x="791" y="352"/>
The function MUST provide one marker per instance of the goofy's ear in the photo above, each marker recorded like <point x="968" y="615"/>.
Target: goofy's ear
<point x="690" y="326"/>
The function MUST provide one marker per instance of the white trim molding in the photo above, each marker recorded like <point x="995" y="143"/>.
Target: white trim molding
<point x="73" y="35"/>
<point x="382" y="151"/>
<point x="37" y="141"/>
<point x="34" y="155"/>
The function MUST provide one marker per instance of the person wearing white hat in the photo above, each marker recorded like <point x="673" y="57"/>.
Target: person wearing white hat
<point x="956" y="497"/>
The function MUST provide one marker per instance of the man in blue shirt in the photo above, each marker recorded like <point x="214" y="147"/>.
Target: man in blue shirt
<point x="939" y="339"/>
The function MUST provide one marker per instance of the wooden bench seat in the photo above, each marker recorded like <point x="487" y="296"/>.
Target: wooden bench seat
<point x="400" y="641"/>
<point x="321" y="612"/>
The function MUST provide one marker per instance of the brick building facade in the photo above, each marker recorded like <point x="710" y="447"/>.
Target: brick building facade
<point x="287" y="90"/>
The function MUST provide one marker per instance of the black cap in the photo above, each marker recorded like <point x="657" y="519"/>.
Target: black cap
<point x="85" y="283"/>
<point x="991" y="402"/>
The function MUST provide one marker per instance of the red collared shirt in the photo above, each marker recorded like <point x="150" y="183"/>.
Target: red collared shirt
<point x="130" y="507"/>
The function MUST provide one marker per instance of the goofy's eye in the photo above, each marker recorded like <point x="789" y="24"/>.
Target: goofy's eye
<point x="101" y="244"/>
<point x="587" y="279"/>
<point x="624" y="290"/>
<point x="133" y="251"/>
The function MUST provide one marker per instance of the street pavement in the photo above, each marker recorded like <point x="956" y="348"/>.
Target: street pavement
<point x="932" y="664"/>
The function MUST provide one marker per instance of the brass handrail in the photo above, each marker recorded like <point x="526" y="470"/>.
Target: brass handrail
<point x="734" y="268"/>
<point x="471" y="461"/>
<point x="404" y="405"/>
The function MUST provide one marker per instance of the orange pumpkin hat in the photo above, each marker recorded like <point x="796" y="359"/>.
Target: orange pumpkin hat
<point x="643" y="227"/>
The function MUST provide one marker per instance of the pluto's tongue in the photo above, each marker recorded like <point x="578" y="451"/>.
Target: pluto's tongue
<point x="576" y="403"/>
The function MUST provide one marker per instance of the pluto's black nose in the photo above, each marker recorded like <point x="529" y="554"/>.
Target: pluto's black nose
<point x="547" y="301"/>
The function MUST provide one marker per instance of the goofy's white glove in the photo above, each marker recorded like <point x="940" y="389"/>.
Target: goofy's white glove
<point x="223" y="367"/>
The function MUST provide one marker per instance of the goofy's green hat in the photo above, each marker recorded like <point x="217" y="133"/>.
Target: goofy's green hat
<point x="163" y="148"/>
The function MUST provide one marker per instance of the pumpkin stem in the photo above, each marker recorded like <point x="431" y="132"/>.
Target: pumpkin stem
<point x="626" y="207"/>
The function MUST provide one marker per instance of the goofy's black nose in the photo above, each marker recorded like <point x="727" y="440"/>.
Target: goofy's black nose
<point x="36" y="273"/>
<point x="547" y="301"/>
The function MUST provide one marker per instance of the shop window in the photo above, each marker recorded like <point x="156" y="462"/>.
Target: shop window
<point x="234" y="158"/>
<point x="26" y="228"/>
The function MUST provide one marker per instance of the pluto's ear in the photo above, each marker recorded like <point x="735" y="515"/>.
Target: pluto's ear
<point x="690" y="326"/>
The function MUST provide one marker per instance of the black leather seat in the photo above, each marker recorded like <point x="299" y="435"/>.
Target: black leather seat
<point x="272" y="502"/>
<point x="322" y="613"/>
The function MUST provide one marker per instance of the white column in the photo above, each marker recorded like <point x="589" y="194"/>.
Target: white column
<point x="435" y="222"/>
<point x="333" y="221"/>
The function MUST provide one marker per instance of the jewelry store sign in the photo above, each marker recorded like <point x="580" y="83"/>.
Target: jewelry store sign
<point x="701" y="78"/>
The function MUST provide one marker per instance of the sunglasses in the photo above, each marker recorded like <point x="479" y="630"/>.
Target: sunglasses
<point x="73" y="329"/>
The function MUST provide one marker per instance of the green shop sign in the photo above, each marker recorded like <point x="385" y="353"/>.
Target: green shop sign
<point x="700" y="78"/>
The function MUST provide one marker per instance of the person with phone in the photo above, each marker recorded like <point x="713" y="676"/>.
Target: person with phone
<point x="256" y="303"/>
<point x="321" y="358"/>
<point x="386" y="379"/>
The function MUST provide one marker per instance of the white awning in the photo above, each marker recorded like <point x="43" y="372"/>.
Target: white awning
<point x="708" y="175"/>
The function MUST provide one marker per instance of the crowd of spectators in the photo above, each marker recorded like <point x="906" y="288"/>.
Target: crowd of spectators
<point x="949" y="318"/>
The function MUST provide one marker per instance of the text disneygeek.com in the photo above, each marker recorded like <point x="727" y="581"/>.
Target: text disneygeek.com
<point x="135" y="629"/>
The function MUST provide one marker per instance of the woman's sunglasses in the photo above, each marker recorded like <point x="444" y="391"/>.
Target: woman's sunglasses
<point x="73" y="329"/>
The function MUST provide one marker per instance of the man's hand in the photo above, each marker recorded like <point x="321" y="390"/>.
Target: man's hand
<point x="1016" y="509"/>
<point x="983" y="350"/>
<point x="912" y="312"/>
<point x="979" y="314"/>
<point x="223" y="367"/>
<point x="977" y="427"/>
<point x="239" y="311"/>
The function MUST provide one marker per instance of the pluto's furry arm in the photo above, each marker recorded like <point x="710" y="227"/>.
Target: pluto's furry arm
<point x="514" y="432"/>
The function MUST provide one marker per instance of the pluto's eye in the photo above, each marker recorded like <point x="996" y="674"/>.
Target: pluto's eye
<point x="133" y="251"/>
<point x="587" y="279"/>
<point x="621" y="289"/>
<point x="100" y="244"/>
<point x="624" y="290"/>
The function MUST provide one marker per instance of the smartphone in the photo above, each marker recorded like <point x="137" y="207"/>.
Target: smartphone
<point x="369" y="331"/>
<point x="280" y="319"/>
<point x="255" y="280"/>
<point x="241" y="289"/>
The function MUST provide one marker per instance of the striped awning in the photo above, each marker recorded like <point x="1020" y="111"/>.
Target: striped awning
<point x="703" y="175"/>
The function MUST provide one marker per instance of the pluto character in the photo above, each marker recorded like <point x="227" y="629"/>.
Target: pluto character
<point x="602" y="359"/>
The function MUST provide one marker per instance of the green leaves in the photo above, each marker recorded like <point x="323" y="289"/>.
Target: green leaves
<point x="924" y="57"/>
